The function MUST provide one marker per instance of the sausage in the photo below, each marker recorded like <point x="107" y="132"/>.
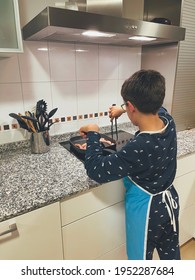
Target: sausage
<point x="103" y="140"/>
<point x="81" y="146"/>
<point x="84" y="145"/>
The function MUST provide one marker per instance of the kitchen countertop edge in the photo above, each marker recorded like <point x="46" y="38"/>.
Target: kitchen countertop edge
<point x="17" y="197"/>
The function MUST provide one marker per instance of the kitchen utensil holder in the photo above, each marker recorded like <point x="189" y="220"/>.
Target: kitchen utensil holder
<point x="40" y="142"/>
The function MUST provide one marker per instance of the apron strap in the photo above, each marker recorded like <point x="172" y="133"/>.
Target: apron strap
<point x="167" y="199"/>
<point x="170" y="204"/>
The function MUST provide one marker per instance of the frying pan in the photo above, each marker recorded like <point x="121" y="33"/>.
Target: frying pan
<point x="107" y="149"/>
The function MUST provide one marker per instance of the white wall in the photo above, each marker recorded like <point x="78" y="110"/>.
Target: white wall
<point x="30" y="8"/>
<point x="81" y="80"/>
<point x="131" y="9"/>
<point x="164" y="60"/>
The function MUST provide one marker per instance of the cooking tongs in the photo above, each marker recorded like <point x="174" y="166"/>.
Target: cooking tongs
<point x="114" y="122"/>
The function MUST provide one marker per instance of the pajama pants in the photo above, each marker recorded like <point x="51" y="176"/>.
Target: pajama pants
<point x="151" y="222"/>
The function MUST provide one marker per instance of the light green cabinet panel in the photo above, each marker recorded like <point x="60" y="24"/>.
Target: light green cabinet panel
<point x="10" y="31"/>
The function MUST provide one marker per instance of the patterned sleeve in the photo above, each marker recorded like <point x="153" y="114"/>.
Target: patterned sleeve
<point x="115" y="166"/>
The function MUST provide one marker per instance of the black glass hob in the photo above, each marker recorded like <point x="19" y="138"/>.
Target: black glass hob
<point x="121" y="139"/>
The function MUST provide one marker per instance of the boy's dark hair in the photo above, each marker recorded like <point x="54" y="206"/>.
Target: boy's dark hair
<point x="145" y="89"/>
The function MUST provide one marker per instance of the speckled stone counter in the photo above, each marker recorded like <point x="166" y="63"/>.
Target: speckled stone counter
<point x="30" y="181"/>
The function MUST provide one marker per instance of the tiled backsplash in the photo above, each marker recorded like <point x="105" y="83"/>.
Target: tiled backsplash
<point x="81" y="80"/>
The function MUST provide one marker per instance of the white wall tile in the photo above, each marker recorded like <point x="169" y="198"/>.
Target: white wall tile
<point x="119" y="97"/>
<point x="9" y="69"/>
<point x="33" y="92"/>
<point x="65" y="127"/>
<point x="123" y="118"/>
<point x="34" y="62"/>
<point x="10" y="102"/>
<point x="78" y="79"/>
<point x="86" y="62"/>
<point x="164" y="60"/>
<point x="14" y="135"/>
<point x="87" y="97"/>
<point x="108" y="91"/>
<point x="129" y="61"/>
<point x="62" y="61"/>
<point x="86" y="121"/>
<point x="104" y="121"/>
<point x="108" y="62"/>
<point x="64" y="97"/>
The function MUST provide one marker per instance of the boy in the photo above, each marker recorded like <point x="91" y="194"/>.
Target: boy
<point x="147" y="165"/>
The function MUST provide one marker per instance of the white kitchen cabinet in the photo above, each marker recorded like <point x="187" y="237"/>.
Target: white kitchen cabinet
<point x="93" y="224"/>
<point x="95" y="235"/>
<point x="185" y="186"/>
<point x="90" y="225"/>
<point x="96" y="227"/>
<point x="10" y="31"/>
<point x="91" y="201"/>
<point x="187" y="224"/>
<point x="37" y="235"/>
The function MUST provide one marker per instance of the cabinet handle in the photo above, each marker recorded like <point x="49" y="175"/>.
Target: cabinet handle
<point x="11" y="229"/>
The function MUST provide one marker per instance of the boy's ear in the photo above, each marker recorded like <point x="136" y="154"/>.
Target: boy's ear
<point x="130" y="106"/>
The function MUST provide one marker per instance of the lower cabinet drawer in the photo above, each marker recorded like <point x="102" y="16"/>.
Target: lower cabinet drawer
<point x="95" y="235"/>
<point x="91" y="201"/>
<point x="116" y="254"/>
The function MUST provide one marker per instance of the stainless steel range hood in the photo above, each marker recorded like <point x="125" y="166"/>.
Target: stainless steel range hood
<point x="64" y="25"/>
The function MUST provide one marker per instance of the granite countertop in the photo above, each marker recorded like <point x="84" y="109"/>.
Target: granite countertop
<point x="30" y="181"/>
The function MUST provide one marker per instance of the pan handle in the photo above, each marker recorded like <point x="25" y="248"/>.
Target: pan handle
<point x="108" y="151"/>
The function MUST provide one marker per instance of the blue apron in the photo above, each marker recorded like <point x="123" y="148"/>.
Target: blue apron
<point x="137" y="210"/>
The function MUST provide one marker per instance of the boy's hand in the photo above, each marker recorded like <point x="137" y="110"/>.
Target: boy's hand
<point x="115" y="112"/>
<point x="89" y="127"/>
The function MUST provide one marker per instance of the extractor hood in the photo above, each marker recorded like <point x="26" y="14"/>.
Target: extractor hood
<point x="64" y="25"/>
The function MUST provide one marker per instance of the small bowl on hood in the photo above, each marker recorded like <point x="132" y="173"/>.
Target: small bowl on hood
<point x="161" y="20"/>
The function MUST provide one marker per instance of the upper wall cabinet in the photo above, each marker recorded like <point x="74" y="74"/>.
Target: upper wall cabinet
<point x="10" y="31"/>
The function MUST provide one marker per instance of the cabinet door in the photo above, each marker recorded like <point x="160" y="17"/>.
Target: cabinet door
<point x="10" y="31"/>
<point x="185" y="186"/>
<point x="95" y="235"/>
<point x="38" y="235"/>
<point x="91" y="201"/>
<point x="187" y="224"/>
<point x="185" y="165"/>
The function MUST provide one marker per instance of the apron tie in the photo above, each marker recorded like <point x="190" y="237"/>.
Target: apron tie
<point x="167" y="199"/>
<point x="170" y="204"/>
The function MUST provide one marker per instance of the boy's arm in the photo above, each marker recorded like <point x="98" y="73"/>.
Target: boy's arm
<point x="115" y="112"/>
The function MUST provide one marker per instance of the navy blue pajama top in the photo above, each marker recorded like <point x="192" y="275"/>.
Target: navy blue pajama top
<point x="149" y="159"/>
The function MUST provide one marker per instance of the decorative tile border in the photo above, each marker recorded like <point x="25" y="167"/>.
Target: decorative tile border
<point x="7" y="127"/>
